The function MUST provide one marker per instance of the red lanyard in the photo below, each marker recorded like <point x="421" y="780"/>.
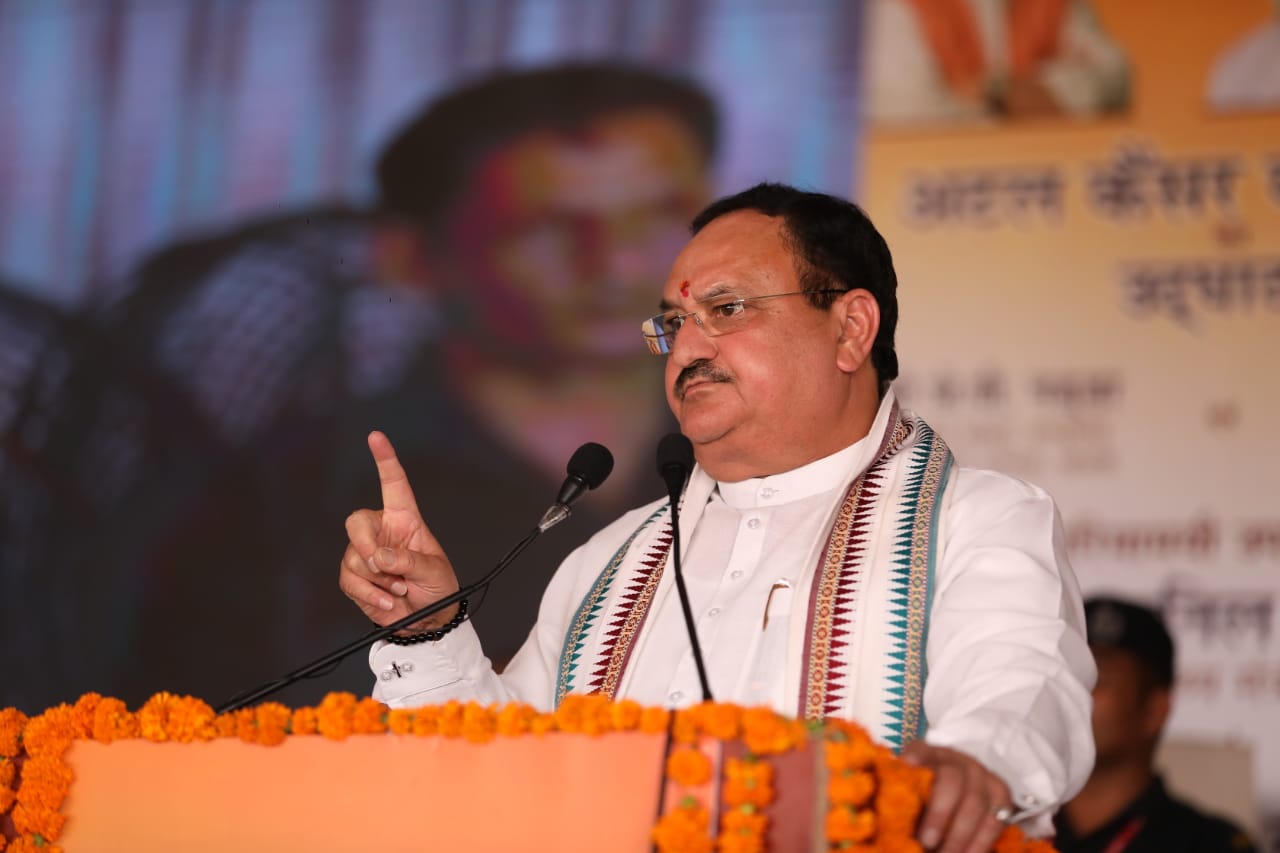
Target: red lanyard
<point x="1126" y="835"/>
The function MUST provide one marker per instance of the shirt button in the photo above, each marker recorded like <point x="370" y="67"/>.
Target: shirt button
<point x="768" y="492"/>
<point x="735" y="574"/>
<point x="676" y="696"/>
<point x="753" y="523"/>
<point x="715" y="611"/>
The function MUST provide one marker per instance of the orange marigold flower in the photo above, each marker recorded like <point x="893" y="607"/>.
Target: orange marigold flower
<point x="50" y="733"/>
<point x="38" y="821"/>
<point x="768" y="733"/>
<point x="654" y="720"/>
<point x="688" y="766"/>
<point x="514" y="718"/>
<point x="1013" y="840"/>
<point x="898" y="804"/>
<point x="113" y="721"/>
<point x="901" y="843"/>
<point x="12" y="722"/>
<point x="273" y="721"/>
<point x="719" y="720"/>
<point x="740" y="843"/>
<point x="334" y="715"/>
<point x="684" y="729"/>
<point x="848" y="825"/>
<point x="542" y="723"/>
<point x="449" y="722"/>
<point x="478" y="725"/>
<point x="849" y="754"/>
<point x="744" y="819"/>
<point x="400" y="721"/>
<point x="369" y="717"/>
<point x="747" y="782"/>
<point x="7" y="795"/>
<point x="426" y="721"/>
<point x="85" y="707"/>
<point x="183" y="719"/>
<point x="684" y="830"/>
<point x="626" y="715"/>
<point x="851" y="789"/>
<point x="304" y="722"/>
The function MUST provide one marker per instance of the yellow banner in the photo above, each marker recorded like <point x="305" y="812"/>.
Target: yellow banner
<point x="1085" y="215"/>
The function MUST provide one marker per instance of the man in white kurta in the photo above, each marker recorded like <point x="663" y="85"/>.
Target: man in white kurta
<point x="838" y="563"/>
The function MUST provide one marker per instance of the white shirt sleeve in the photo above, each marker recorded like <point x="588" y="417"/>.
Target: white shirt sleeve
<point x="1010" y="674"/>
<point x="455" y="667"/>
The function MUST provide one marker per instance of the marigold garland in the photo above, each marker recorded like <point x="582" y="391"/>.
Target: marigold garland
<point x="874" y="799"/>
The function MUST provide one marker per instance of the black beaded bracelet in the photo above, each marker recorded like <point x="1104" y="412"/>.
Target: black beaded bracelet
<point x="432" y="636"/>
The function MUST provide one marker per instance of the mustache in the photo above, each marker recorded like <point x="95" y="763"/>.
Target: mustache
<point x="700" y="371"/>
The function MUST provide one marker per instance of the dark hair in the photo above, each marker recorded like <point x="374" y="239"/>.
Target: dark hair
<point x="836" y="248"/>
<point x="427" y="163"/>
<point x="1118" y="624"/>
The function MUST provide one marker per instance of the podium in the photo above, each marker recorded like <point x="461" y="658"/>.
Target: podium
<point x="353" y="775"/>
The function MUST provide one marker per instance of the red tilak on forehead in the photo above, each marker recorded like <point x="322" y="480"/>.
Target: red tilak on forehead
<point x="684" y="289"/>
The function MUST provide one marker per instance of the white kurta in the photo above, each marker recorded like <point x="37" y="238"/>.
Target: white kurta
<point x="1009" y="672"/>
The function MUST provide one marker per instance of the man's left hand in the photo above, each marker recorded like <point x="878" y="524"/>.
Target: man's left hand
<point x="960" y="814"/>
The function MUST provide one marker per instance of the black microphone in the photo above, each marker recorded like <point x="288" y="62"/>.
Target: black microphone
<point x="588" y="467"/>
<point x="675" y="463"/>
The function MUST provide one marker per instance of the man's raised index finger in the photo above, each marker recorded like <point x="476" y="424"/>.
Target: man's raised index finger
<point x="397" y="494"/>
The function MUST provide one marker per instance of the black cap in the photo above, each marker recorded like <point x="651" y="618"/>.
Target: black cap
<point x="1117" y="624"/>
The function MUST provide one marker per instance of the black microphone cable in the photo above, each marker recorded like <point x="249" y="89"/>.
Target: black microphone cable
<point x="675" y="462"/>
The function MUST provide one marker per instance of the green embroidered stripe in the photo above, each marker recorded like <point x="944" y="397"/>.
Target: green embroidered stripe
<point x="588" y="611"/>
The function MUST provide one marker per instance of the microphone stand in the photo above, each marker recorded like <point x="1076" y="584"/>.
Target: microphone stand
<point x="242" y="699"/>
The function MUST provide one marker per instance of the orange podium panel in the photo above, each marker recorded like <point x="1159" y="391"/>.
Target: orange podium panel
<point x="369" y="792"/>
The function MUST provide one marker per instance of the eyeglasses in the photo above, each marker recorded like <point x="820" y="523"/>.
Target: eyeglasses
<point x="717" y="317"/>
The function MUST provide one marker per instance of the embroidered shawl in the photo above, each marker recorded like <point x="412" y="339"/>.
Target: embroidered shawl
<point x="866" y="624"/>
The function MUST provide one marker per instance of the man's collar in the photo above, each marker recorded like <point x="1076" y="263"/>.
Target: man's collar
<point x="821" y="475"/>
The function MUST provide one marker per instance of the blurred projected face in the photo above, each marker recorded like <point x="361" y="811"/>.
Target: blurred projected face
<point x="563" y="239"/>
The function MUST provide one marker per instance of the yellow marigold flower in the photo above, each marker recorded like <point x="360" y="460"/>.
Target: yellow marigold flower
<point x="848" y="825"/>
<point x="688" y="766"/>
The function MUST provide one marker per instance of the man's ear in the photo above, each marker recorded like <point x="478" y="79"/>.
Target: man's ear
<point x="1155" y="711"/>
<point x="859" y="317"/>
